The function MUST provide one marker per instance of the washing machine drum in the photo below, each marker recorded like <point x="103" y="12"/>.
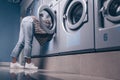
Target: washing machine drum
<point x="46" y="15"/>
<point x="74" y="14"/>
<point x="111" y="10"/>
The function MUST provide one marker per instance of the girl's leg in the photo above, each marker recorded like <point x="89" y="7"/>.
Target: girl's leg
<point x="19" y="46"/>
<point x="28" y="32"/>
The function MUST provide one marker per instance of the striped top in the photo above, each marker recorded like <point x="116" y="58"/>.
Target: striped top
<point x="38" y="29"/>
<point x="41" y="35"/>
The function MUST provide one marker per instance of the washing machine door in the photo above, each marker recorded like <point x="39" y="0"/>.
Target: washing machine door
<point x="111" y="10"/>
<point x="74" y="14"/>
<point x="46" y="14"/>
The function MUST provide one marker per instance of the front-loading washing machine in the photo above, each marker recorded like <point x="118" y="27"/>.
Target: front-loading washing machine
<point x="50" y="10"/>
<point x="76" y="26"/>
<point x="107" y="24"/>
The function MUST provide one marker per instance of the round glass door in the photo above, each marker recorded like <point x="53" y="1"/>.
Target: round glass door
<point x="74" y="14"/>
<point x="47" y="19"/>
<point x="112" y="10"/>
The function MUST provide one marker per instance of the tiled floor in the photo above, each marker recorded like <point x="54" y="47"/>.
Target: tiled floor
<point x="24" y="74"/>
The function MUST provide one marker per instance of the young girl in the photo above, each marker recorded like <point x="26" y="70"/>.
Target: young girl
<point x="27" y="30"/>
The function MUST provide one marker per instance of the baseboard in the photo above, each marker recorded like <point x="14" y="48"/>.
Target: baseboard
<point x="4" y="64"/>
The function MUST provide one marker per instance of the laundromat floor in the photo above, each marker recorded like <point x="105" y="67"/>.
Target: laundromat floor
<point x="24" y="74"/>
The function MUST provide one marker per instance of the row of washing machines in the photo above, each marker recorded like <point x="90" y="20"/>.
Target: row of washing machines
<point x="81" y="26"/>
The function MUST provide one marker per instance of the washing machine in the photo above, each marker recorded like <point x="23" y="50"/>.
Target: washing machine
<point x="51" y="8"/>
<point x="76" y="26"/>
<point x="107" y="24"/>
